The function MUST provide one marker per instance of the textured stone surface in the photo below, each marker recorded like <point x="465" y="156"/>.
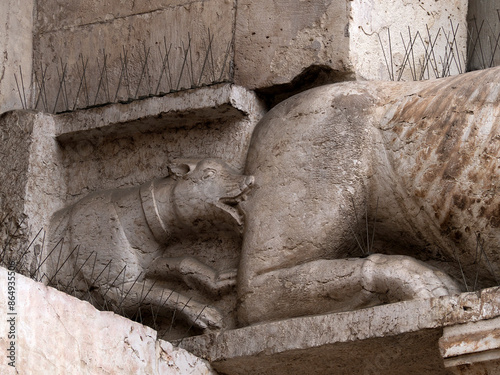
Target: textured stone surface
<point x="339" y="35"/>
<point x="57" y="334"/>
<point x="308" y="33"/>
<point x="184" y="109"/>
<point x="483" y="15"/>
<point x="400" y="338"/>
<point x="139" y="30"/>
<point x="330" y="161"/>
<point x="403" y="19"/>
<point x="16" y="49"/>
<point x="472" y="348"/>
<point x="32" y="187"/>
<point x="127" y="231"/>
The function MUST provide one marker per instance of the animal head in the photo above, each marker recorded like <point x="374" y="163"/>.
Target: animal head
<point x="207" y="193"/>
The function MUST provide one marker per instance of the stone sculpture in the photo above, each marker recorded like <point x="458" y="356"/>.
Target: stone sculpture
<point x="421" y="160"/>
<point x="121" y="236"/>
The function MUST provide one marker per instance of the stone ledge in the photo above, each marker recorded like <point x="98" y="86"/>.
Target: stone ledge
<point x="59" y="334"/>
<point x="397" y="338"/>
<point x="180" y="109"/>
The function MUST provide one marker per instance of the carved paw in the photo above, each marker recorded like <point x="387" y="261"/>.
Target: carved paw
<point x="204" y="317"/>
<point x="402" y="278"/>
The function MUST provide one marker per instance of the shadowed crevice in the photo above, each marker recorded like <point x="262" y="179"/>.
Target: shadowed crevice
<point x="312" y="76"/>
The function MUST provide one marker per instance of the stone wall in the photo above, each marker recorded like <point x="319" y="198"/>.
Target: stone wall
<point x="484" y="28"/>
<point x="127" y="51"/>
<point x="349" y="38"/>
<point x="427" y="39"/>
<point x="277" y="40"/>
<point x="16" y="50"/>
<point x="32" y="185"/>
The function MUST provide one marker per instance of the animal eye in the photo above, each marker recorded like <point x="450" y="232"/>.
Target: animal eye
<point x="209" y="173"/>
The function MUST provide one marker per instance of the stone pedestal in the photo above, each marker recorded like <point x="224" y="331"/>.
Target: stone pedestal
<point x="400" y="338"/>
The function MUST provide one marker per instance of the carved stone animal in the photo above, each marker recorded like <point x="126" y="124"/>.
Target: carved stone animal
<point x="110" y="240"/>
<point x="421" y="160"/>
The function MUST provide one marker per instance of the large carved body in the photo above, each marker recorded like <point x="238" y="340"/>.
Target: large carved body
<point x="112" y="242"/>
<point x="420" y="158"/>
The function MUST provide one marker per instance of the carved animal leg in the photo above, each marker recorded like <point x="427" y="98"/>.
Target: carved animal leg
<point x="147" y="293"/>
<point x="343" y="285"/>
<point x="194" y="273"/>
<point x="401" y="278"/>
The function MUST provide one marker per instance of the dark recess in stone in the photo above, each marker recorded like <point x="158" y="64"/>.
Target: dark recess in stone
<point x="312" y="76"/>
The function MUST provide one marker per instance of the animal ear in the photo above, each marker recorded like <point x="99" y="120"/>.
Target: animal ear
<point x="182" y="167"/>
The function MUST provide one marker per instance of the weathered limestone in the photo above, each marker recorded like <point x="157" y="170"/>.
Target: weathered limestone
<point x="400" y="338"/>
<point x="16" y="49"/>
<point x="472" y="348"/>
<point x="269" y="53"/>
<point x="339" y="35"/>
<point x="31" y="175"/>
<point x="123" y="46"/>
<point x="420" y="159"/>
<point x="126" y="232"/>
<point x="135" y="39"/>
<point x="220" y="103"/>
<point x="53" y="161"/>
<point x="57" y="334"/>
<point x="484" y="16"/>
<point x="403" y="19"/>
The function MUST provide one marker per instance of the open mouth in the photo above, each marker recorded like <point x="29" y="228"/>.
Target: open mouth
<point x="231" y="206"/>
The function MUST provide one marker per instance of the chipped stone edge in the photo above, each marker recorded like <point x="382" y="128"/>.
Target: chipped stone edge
<point x="242" y="100"/>
<point x="168" y="358"/>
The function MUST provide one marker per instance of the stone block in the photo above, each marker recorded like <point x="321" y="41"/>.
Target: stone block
<point x="54" y="14"/>
<point x="313" y="43"/>
<point x="420" y="24"/>
<point x="32" y="187"/>
<point x="123" y="50"/>
<point x="347" y="37"/>
<point x="276" y="40"/>
<point x="484" y="29"/>
<point x="16" y="50"/>
<point x="54" y="333"/>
